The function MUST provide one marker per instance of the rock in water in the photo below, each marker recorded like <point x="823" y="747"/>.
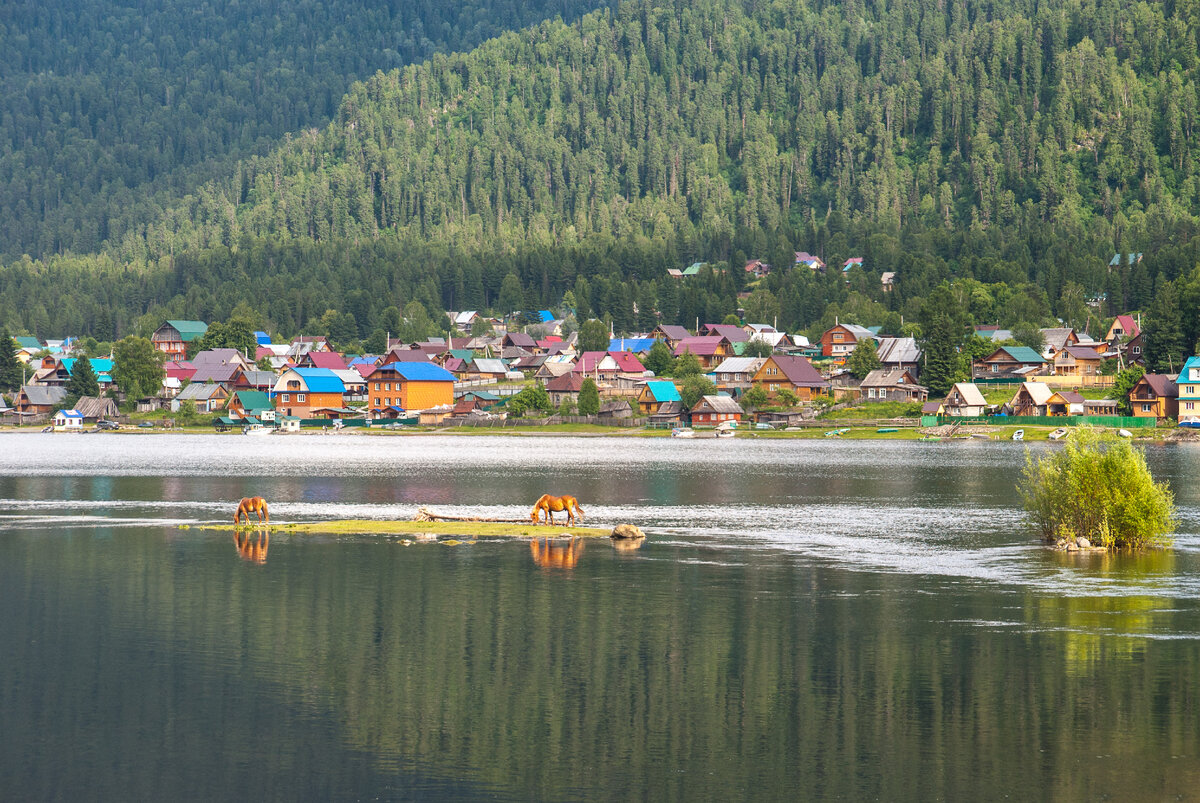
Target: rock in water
<point x="626" y="531"/>
<point x="1083" y="543"/>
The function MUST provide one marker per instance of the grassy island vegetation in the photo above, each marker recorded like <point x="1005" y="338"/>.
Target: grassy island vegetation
<point x="1098" y="488"/>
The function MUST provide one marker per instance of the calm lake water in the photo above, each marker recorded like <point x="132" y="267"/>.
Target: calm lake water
<point x="808" y="620"/>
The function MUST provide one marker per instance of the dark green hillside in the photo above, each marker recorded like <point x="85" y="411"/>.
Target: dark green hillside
<point x="1011" y="147"/>
<point x="107" y="103"/>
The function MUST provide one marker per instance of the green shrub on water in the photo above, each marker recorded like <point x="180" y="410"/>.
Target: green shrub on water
<point x="1098" y="487"/>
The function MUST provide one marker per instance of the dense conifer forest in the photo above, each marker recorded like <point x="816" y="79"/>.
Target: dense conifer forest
<point x="1007" y="148"/>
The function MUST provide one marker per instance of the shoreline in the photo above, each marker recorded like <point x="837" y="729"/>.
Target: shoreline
<point x="832" y="430"/>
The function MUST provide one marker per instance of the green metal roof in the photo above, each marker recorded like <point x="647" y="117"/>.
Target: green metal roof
<point x="253" y="400"/>
<point x="189" y="330"/>
<point x="1023" y="354"/>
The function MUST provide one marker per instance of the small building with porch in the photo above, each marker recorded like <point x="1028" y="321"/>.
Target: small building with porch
<point x="964" y="400"/>
<point x="714" y="410"/>
<point x="654" y="394"/>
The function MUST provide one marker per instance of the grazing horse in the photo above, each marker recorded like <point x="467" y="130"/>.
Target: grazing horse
<point x="252" y="504"/>
<point x="551" y="504"/>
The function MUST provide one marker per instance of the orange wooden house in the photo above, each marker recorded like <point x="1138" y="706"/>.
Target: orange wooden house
<point x="299" y="391"/>
<point x="408" y="386"/>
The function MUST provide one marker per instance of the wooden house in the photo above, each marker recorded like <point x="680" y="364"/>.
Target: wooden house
<point x="892" y="384"/>
<point x="1031" y="399"/>
<point x="1133" y="351"/>
<point x="1056" y="339"/>
<point x="67" y="420"/>
<point x="404" y="386"/>
<point x="757" y="268"/>
<point x="209" y="397"/>
<point x="1064" y="402"/>
<point x="1100" y="407"/>
<point x="709" y="350"/>
<point x="654" y="394"/>
<point x="1155" y="396"/>
<point x="1077" y="361"/>
<point x="248" y="403"/>
<point x="97" y="408"/>
<point x="610" y="363"/>
<point x="565" y="387"/>
<point x="299" y="391"/>
<point x="173" y="337"/>
<point x="841" y="339"/>
<point x="670" y="334"/>
<point x="713" y="410"/>
<point x="964" y="400"/>
<point x="38" y="400"/>
<point x="792" y="373"/>
<point x="737" y="373"/>
<point x="1122" y="328"/>
<point x="1009" y="361"/>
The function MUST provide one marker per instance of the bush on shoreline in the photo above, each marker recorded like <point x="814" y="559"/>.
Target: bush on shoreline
<point x="1098" y="487"/>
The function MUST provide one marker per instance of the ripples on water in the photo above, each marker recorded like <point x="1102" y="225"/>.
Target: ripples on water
<point x="948" y="511"/>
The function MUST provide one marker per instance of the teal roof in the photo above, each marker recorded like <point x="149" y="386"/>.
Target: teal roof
<point x="663" y="391"/>
<point x="100" y="365"/>
<point x="189" y="330"/>
<point x="1022" y="354"/>
<point x="25" y="342"/>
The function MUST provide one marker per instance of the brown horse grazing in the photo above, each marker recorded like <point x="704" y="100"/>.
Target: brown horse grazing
<point x="252" y="504"/>
<point x="551" y="504"/>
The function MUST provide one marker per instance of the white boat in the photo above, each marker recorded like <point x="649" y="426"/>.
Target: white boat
<point x="1019" y="435"/>
<point x="256" y="429"/>
<point x="683" y="433"/>
<point x="725" y="433"/>
<point x="1124" y="433"/>
<point x="1058" y="434"/>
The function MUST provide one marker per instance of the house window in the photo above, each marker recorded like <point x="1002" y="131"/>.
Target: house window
<point x="300" y="398"/>
<point x="995" y="368"/>
<point x="1188" y="405"/>
<point x="387" y="385"/>
<point x="377" y="400"/>
<point x="1147" y="408"/>
<point x="377" y="386"/>
<point x="285" y="398"/>
<point x="1137" y="350"/>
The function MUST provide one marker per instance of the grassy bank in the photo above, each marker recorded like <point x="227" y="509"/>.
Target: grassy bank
<point x="471" y="529"/>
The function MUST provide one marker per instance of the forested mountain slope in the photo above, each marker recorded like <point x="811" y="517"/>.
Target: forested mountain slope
<point x="1008" y="142"/>
<point x="107" y="102"/>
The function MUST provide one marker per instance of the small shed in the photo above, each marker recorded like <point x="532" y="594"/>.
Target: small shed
<point x="68" y="420"/>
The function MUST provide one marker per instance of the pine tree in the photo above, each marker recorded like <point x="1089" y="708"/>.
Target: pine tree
<point x="659" y="360"/>
<point x="10" y="366"/>
<point x="1162" y="331"/>
<point x="589" y="398"/>
<point x="83" y="380"/>
<point x="864" y="359"/>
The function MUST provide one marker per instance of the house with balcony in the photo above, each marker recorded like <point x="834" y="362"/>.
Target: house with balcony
<point x="1155" y="396"/>
<point x="299" y="391"/>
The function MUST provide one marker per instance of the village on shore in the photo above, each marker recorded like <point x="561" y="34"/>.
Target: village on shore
<point x="722" y="376"/>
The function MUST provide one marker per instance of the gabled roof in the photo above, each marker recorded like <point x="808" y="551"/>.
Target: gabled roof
<point x="326" y="359"/>
<point x="889" y="378"/>
<point x="1081" y="353"/>
<point x="1128" y="324"/>
<point x="718" y="404"/>
<point x="485" y="366"/>
<point x="1058" y="337"/>
<point x="625" y="362"/>
<point x="1163" y="386"/>
<point x="320" y="380"/>
<point x="1066" y="397"/>
<point x="734" y="334"/>
<point x="521" y="340"/>
<point x="25" y="342"/>
<point x="739" y="365"/>
<point x="189" y="330"/>
<point x="216" y="372"/>
<point x="423" y="372"/>
<point x="252" y="399"/>
<point x="898" y="350"/>
<point x="217" y="357"/>
<point x="662" y="390"/>
<point x="673" y="332"/>
<point x="700" y="346"/>
<point x="42" y="395"/>
<point x="567" y="383"/>
<point x="970" y="394"/>
<point x="201" y="391"/>
<point x="1022" y="354"/>
<point x="798" y="371"/>
<point x="1040" y="392"/>
<point x="100" y="365"/>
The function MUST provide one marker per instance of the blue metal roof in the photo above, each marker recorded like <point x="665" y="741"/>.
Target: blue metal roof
<point x="263" y="338"/>
<point x="545" y="315"/>
<point x="321" y="380"/>
<point x="637" y="345"/>
<point x="422" y="372"/>
<point x="663" y="390"/>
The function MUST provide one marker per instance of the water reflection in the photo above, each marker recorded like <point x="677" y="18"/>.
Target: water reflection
<point x="627" y="544"/>
<point x="555" y="553"/>
<point x="252" y="545"/>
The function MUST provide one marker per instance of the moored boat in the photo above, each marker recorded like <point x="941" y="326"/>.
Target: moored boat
<point x="1019" y="435"/>
<point x="1058" y="434"/>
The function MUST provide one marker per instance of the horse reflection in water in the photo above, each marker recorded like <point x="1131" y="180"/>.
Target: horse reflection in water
<point x="252" y="545"/>
<point x="556" y="554"/>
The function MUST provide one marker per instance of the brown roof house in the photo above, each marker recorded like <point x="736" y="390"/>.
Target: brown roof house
<point x="1009" y="361"/>
<point x="892" y="384"/>
<point x="793" y="373"/>
<point x="1031" y="399"/>
<point x="1155" y="395"/>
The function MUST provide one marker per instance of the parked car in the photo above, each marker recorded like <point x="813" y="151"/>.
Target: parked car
<point x="107" y="425"/>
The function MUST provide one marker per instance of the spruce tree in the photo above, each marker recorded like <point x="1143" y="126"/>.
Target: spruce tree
<point x="10" y="366"/>
<point x="1162" y="334"/>
<point x="589" y="398"/>
<point x="83" y="380"/>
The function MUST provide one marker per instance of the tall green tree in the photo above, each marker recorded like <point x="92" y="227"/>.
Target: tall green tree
<point x="1162" y="331"/>
<point x="694" y="388"/>
<point x="589" y="398"/>
<point x="1123" y="383"/>
<point x="137" y="366"/>
<point x="83" y="380"/>
<point x="10" y="366"/>
<point x="660" y="360"/>
<point x="687" y="365"/>
<point x="593" y="336"/>
<point x="864" y="359"/>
